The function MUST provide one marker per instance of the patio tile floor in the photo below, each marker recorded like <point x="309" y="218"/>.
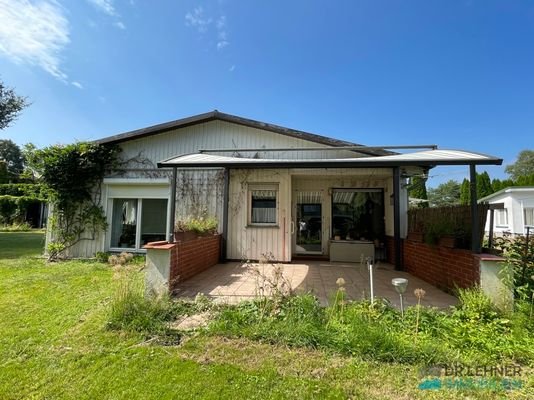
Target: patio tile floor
<point x="233" y="282"/>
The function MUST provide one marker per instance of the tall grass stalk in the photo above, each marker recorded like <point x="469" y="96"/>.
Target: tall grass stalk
<point x="132" y="310"/>
<point x="419" y="293"/>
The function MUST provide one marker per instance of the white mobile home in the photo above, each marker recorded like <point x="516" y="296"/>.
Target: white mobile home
<point x="517" y="212"/>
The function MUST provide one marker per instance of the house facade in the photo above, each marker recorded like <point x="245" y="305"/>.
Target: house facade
<point x="277" y="193"/>
<point x="517" y="210"/>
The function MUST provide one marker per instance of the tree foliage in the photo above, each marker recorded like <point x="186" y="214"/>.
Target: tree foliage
<point x="73" y="175"/>
<point x="484" y="188"/>
<point x="483" y="185"/>
<point x="11" y="105"/>
<point x="445" y="194"/>
<point x="10" y="153"/>
<point x="524" y="165"/>
<point x="418" y="190"/>
<point x="465" y="192"/>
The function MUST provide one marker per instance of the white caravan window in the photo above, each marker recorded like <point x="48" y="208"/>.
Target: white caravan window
<point x="501" y="218"/>
<point x="528" y="216"/>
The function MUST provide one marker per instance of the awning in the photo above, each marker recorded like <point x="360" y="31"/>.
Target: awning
<point x="427" y="158"/>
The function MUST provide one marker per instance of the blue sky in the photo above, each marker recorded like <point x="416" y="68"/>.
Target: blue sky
<point x="459" y="74"/>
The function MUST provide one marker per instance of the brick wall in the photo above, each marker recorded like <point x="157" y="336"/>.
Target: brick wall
<point x="443" y="267"/>
<point x="440" y="266"/>
<point x="191" y="257"/>
<point x="390" y="250"/>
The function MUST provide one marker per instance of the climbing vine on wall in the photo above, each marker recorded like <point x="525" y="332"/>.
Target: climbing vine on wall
<point x="73" y="175"/>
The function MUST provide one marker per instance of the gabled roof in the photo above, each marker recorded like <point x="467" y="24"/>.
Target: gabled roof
<point x="217" y="115"/>
<point x="428" y="158"/>
<point x="510" y="189"/>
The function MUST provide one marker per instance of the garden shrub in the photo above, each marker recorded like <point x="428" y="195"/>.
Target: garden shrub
<point x="201" y="225"/>
<point x="16" y="227"/>
<point x="13" y="208"/>
<point x="519" y="255"/>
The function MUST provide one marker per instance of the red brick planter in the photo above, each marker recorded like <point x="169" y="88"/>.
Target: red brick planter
<point x="187" y="258"/>
<point x="192" y="257"/>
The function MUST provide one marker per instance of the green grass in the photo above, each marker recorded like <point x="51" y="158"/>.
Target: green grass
<point x="55" y="343"/>
<point x="19" y="244"/>
<point x="474" y="333"/>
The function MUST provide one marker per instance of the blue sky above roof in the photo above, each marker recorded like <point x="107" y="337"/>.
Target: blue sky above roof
<point x="455" y="73"/>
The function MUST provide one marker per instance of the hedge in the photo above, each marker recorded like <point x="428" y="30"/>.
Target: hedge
<point x="23" y="189"/>
<point x="13" y="208"/>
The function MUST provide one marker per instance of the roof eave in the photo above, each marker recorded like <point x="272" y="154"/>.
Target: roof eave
<point x="217" y="115"/>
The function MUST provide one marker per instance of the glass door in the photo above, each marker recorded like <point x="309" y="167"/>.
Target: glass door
<point x="309" y="223"/>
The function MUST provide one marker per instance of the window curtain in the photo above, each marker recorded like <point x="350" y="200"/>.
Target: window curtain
<point x="263" y="207"/>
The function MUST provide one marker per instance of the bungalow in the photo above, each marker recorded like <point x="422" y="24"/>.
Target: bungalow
<point x="275" y="191"/>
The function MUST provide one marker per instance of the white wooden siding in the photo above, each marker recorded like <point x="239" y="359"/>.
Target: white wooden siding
<point x="248" y="242"/>
<point x="217" y="135"/>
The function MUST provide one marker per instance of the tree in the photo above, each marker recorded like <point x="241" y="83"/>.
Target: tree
<point x="11" y="105"/>
<point x="465" y="192"/>
<point x="11" y="154"/>
<point x="483" y="185"/>
<point x="418" y="190"/>
<point x="446" y="194"/>
<point x="523" y="166"/>
<point x="4" y="175"/>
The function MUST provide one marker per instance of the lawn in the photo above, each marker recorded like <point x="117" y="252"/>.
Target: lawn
<point x="19" y="244"/>
<point x="54" y="345"/>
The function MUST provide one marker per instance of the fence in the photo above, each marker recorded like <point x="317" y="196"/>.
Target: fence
<point x="446" y="222"/>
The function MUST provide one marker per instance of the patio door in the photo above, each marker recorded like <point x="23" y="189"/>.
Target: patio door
<point x="308" y="221"/>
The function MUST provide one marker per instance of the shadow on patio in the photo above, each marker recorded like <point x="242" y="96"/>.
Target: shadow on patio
<point x="233" y="282"/>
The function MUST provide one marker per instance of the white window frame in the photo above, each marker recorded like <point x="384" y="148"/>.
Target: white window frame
<point x="263" y="186"/>
<point x="530" y="210"/>
<point x="499" y="214"/>
<point x="137" y="248"/>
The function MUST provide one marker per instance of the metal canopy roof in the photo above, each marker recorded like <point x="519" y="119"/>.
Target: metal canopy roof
<point x="428" y="158"/>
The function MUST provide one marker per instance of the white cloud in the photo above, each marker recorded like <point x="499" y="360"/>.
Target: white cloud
<point x="77" y="84"/>
<point x="34" y="33"/>
<point x="196" y="19"/>
<point x="201" y="22"/>
<point x="221" y="44"/>
<point x="120" y="25"/>
<point x="222" y="35"/>
<point x="105" y="6"/>
<point x="221" y="22"/>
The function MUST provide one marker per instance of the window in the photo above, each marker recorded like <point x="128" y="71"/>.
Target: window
<point x="263" y="205"/>
<point x="528" y="216"/>
<point x="135" y="222"/>
<point x="501" y="217"/>
<point x="358" y="214"/>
